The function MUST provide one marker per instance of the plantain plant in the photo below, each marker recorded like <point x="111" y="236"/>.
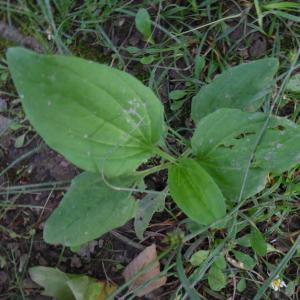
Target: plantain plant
<point x="108" y="124"/>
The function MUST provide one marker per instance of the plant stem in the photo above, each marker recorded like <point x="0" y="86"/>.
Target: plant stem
<point x="179" y="136"/>
<point x="154" y="169"/>
<point x="165" y="155"/>
<point x="187" y="152"/>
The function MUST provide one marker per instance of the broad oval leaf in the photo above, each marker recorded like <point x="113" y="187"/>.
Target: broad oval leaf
<point x="66" y="286"/>
<point x="216" y="278"/>
<point x="220" y="262"/>
<point x="227" y="168"/>
<point x="143" y="23"/>
<point x="241" y="87"/>
<point x="224" y="141"/>
<point x="98" y="117"/>
<point x="241" y="286"/>
<point x="216" y="128"/>
<point x="199" y="257"/>
<point x="195" y="192"/>
<point x="53" y="281"/>
<point x="280" y="148"/>
<point x="88" y="210"/>
<point x="89" y="288"/>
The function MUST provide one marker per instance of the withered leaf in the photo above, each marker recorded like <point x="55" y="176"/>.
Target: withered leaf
<point x="145" y="261"/>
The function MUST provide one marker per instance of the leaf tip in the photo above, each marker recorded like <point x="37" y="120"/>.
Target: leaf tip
<point x="14" y="53"/>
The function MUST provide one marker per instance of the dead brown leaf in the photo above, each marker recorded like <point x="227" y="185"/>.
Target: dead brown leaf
<point x="143" y="261"/>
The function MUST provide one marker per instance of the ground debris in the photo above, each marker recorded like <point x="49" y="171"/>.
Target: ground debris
<point x="145" y="258"/>
<point x="10" y="33"/>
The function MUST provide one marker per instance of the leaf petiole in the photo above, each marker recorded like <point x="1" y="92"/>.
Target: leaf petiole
<point x="165" y="155"/>
<point x="154" y="169"/>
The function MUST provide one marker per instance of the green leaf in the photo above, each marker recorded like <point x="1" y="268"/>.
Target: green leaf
<point x="150" y="204"/>
<point x="241" y="87"/>
<point x="199" y="65"/>
<point x="294" y="84"/>
<point x="220" y="262"/>
<point x="88" y="210"/>
<point x="177" y="105"/>
<point x="53" y="281"/>
<point x="80" y="286"/>
<point x="211" y="131"/>
<point x="247" y="260"/>
<point x="291" y="287"/>
<point x="193" y="227"/>
<point x="88" y="288"/>
<point x="143" y="23"/>
<point x="146" y="60"/>
<point x="216" y="278"/>
<point x="15" y="126"/>
<point x="258" y="242"/>
<point x="19" y="141"/>
<point x="133" y="50"/>
<point x="199" y="257"/>
<point x="177" y="94"/>
<point x="281" y="5"/>
<point x="282" y="14"/>
<point x="227" y="170"/>
<point x="195" y="192"/>
<point x="223" y="156"/>
<point x="244" y="240"/>
<point x="98" y="117"/>
<point x="64" y="286"/>
<point x="224" y="151"/>
<point x="241" y="286"/>
<point x="279" y="149"/>
<point x="292" y="188"/>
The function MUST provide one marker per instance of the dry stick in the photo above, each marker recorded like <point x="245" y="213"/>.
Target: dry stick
<point x="12" y="34"/>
